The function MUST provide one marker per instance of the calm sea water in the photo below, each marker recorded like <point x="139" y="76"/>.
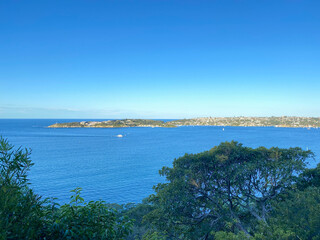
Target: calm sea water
<point x="123" y="170"/>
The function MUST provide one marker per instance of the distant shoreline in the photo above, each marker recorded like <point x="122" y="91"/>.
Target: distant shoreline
<point x="283" y="122"/>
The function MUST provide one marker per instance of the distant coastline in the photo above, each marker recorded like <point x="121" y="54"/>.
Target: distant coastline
<point x="288" y="122"/>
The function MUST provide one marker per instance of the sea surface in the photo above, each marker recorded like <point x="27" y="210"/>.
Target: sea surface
<point x="123" y="170"/>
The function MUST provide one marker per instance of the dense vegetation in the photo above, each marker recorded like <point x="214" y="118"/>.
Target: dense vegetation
<point x="25" y="215"/>
<point x="230" y="192"/>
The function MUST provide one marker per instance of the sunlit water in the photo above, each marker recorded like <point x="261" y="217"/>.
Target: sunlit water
<point x="123" y="170"/>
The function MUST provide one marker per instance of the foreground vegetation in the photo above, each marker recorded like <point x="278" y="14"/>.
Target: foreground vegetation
<point x="230" y="192"/>
<point x="294" y="122"/>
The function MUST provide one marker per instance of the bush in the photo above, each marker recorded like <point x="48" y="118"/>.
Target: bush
<point x="81" y="220"/>
<point x="21" y="210"/>
<point x="24" y="215"/>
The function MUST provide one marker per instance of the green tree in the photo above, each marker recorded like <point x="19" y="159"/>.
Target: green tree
<point x="309" y="178"/>
<point x="24" y="215"/>
<point x="87" y="220"/>
<point x="297" y="214"/>
<point x="229" y="188"/>
<point x="154" y="235"/>
<point x="137" y="212"/>
<point x="21" y="210"/>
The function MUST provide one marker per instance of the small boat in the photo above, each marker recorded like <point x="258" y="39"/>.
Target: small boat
<point x="119" y="135"/>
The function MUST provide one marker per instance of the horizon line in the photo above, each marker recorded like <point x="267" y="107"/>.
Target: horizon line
<point x="165" y="118"/>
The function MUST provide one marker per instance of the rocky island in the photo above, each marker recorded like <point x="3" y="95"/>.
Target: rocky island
<point x="293" y="122"/>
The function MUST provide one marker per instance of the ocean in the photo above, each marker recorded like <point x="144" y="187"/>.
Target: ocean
<point x="124" y="170"/>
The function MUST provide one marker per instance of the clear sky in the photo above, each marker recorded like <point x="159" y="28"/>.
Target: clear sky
<point x="159" y="58"/>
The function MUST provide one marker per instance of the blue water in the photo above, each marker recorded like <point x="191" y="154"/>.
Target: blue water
<point x="123" y="170"/>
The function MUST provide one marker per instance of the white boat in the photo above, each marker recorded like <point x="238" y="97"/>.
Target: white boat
<point x="119" y="135"/>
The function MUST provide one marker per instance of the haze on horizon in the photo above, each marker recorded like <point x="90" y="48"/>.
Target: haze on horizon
<point x="159" y="59"/>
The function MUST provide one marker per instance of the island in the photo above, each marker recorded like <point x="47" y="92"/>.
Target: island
<point x="285" y="121"/>
<point x="114" y="124"/>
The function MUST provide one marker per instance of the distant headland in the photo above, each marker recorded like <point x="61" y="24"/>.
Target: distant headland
<point x="289" y="122"/>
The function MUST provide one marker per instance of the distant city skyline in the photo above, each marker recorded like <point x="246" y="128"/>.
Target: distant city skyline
<point x="159" y="59"/>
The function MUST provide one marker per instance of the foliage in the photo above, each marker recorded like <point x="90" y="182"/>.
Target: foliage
<point x="265" y="233"/>
<point x="20" y="209"/>
<point x="229" y="236"/>
<point x="228" y="193"/>
<point x="299" y="213"/>
<point x="137" y="212"/>
<point x="154" y="235"/>
<point x="309" y="178"/>
<point x="92" y="220"/>
<point x="23" y="215"/>
<point x="229" y="188"/>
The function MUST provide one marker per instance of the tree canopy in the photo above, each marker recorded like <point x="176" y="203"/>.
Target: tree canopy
<point x="230" y="187"/>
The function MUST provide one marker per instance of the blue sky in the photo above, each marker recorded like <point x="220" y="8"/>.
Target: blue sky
<point x="159" y="59"/>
